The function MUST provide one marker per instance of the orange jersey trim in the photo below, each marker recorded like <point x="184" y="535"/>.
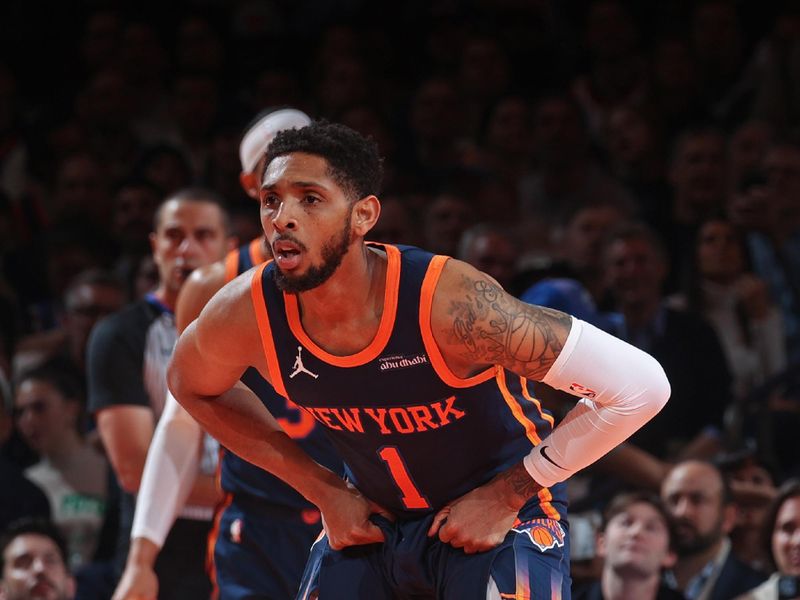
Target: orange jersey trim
<point x="383" y="334"/>
<point x="213" y="536"/>
<point x="545" y="501"/>
<point x="260" y="308"/>
<point x="516" y="409"/>
<point x="544" y="495"/>
<point x="425" y="308"/>
<point x="527" y="395"/>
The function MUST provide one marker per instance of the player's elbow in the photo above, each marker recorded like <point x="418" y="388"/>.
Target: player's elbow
<point x="129" y="478"/>
<point x="175" y="382"/>
<point x="657" y="385"/>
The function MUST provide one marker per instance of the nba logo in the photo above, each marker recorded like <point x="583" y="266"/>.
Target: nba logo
<point x="236" y="531"/>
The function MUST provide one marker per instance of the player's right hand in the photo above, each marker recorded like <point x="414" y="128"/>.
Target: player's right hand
<point x="346" y="519"/>
<point x="138" y="582"/>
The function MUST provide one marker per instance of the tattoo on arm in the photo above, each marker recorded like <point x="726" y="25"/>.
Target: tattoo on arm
<point x="492" y="327"/>
<point x="520" y="483"/>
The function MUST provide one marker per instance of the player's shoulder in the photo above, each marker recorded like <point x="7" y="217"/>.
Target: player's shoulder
<point x="458" y="276"/>
<point x="204" y="281"/>
<point x="230" y="305"/>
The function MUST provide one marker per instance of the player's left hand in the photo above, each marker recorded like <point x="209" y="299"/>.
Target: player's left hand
<point x="481" y="519"/>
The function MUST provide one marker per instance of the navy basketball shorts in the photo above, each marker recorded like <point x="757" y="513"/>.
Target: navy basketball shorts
<point x="260" y="551"/>
<point x="532" y="563"/>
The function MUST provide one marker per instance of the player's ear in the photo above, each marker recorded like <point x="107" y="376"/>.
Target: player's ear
<point x="365" y="214"/>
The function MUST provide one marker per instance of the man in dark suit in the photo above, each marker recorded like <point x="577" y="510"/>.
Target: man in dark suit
<point x="702" y="506"/>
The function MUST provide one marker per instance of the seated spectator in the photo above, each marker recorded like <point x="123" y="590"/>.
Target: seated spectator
<point x="33" y="560"/>
<point x="91" y="295"/>
<point x="396" y="224"/>
<point x="636" y="543"/>
<point x="446" y="218"/>
<point x="782" y="545"/>
<point x="700" y="501"/>
<point x="567" y="176"/>
<point x="71" y="472"/>
<point x="753" y="489"/>
<point x="721" y="287"/>
<point x="489" y="249"/>
<point x="691" y="424"/>
<point x="574" y="282"/>
<point x="19" y="497"/>
<point x="773" y="416"/>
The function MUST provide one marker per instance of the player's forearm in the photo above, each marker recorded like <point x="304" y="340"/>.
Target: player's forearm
<point x="622" y="389"/>
<point x="143" y="552"/>
<point x="516" y="486"/>
<point x="173" y="460"/>
<point x="241" y="423"/>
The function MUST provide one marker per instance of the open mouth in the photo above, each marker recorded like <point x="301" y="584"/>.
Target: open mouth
<point x="287" y="254"/>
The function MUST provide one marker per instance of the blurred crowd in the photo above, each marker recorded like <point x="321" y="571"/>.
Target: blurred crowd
<point x="634" y="164"/>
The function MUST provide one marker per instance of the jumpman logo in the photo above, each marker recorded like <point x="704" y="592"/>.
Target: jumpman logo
<point x="298" y="365"/>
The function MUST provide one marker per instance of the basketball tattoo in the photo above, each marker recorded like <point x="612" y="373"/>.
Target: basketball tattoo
<point x="494" y="328"/>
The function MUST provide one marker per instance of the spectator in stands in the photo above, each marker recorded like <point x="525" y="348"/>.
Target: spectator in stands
<point x="488" y="248"/>
<point x="49" y="403"/>
<point x="720" y="286"/>
<point x="636" y="542"/>
<point x="699" y="500"/>
<point x="691" y="425"/>
<point x="33" y="560"/>
<point x="782" y="546"/>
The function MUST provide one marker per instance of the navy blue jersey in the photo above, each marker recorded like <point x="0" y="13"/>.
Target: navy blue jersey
<point x="238" y="476"/>
<point x="412" y="434"/>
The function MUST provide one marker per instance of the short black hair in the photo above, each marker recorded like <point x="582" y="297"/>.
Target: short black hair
<point x="195" y="194"/>
<point x="59" y="373"/>
<point x="353" y="160"/>
<point x="32" y="525"/>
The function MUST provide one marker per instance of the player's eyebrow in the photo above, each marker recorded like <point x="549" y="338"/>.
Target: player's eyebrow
<point x="295" y="184"/>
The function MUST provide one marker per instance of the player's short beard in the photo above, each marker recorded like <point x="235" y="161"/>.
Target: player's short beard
<point x="332" y="254"/>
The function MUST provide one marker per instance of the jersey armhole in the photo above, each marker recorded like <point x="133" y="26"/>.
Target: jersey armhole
<point x="262" y="318"/>
<point x="429" y="283"/>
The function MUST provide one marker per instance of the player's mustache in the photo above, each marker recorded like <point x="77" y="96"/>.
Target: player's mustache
<point x="286" y="237"/>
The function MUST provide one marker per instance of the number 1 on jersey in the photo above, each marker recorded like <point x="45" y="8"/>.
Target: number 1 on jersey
<point x="411" y="498"/>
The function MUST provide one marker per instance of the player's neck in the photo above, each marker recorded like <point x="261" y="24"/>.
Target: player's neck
<point x="357" y="285"/>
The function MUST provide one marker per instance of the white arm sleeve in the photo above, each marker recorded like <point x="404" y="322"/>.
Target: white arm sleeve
<point x="622" y="388"/>
<point x="173" y="461"/>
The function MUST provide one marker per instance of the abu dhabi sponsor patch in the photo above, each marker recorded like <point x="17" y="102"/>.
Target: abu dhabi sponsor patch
<point x="400" y="361"/>
<point x="544" y="533"/>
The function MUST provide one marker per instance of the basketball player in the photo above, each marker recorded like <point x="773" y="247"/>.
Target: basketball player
<point x="264" y="529"/>
<point x="418" y="367"/>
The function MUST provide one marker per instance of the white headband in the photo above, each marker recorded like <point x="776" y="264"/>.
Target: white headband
<point x="259" y="136"/>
